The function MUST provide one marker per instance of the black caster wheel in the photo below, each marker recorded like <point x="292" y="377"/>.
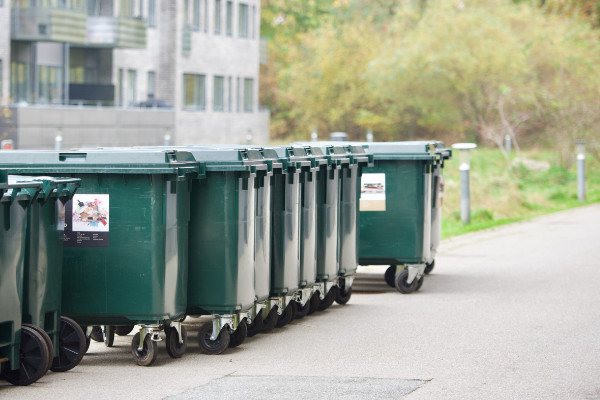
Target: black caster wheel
<point x="270" y="322"/>
<point x="390" y="275"/>
<point x="97" y="333"/>
<point x="329" y="299"/>
<point x="33" y="358"/>
<point x="420" y="283"/>
<point x="213" y="347"/>
<point x="315" y="301"/>
<point x="108" y="334"/>
<point x="174" y="348"/>
<point x="255" y="327"/>
<point x="147" y="355"/>
<point x="71" y="346"/>
<point x="124" y="330"/>
<point x="402" y="285"/>
<point x="238" y="336"/>
<point x="48" y="344"/>
<point x="302" y="310"/>
<point x="287" y="316"/>
<point x="429" y="267"/>
<point x="344" y="293"/>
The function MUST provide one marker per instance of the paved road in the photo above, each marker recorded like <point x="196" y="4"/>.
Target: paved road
<point x="509" y="314"/>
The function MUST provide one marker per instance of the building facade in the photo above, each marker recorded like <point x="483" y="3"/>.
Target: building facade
<point x="130" y="72"/>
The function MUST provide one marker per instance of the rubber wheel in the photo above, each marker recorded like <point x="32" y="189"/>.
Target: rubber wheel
<point x="287" y="316"/>
<point x="108" y="333"/>
<point x="390" y="275"/>
<point x="33" y="358"/>
<point x="255" y="327"/>
<point x="71" y="346"/>
<point x="88" y="341"/>
<point x="48" y="344"/>
<point x="420" y="283"/>
<point x="429" y="267"/>
<point x="270" y="322"/>
<point x="213" y="347"/>
<point x="315" y="301"/>
<point x="97" y="333"/>
<point x="343" y="294"/>
<point x="402" y="285"/>
<point x="302" y="311"/>
<point x="238" y="336"/>
<point x="329" y="299"/>
<point x="124" y="330"/>
<point x="147" y="356"/>
<point x="174" y="348"/>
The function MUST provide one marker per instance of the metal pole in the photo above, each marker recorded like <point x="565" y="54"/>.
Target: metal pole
<point x="314" y="137"/>
<point x="507" y="144"/>
<point x="580" y="148"/>
<point x="465" y="194"/>
<point x="58" y="143"/>
<point x="370" y="135"/>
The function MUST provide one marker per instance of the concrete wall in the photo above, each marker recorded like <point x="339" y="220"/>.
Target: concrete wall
<point x="91" y="127"/>
<point x="5" y="51"/>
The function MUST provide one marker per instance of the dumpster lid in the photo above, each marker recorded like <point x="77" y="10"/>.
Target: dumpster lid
<point x="11" y="189"/>
<point x="334" y="152"/>
<point x="228" y="157"/>
<point x="110" y="160"/>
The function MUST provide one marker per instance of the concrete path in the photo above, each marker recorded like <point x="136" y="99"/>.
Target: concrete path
<point x="512" y="313"/>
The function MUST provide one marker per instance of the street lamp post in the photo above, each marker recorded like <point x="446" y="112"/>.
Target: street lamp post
<point x="465" y="186"/>
<point x="580" y="150"/>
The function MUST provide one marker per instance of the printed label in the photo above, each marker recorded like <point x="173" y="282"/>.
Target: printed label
<point x="87" y="221"/>
<point x="372" y="192"/>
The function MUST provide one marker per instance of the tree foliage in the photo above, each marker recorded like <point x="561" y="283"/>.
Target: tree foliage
<point x="455" y="70"/>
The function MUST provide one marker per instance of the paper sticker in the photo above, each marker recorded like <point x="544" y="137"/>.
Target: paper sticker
<point x="372" y="192"/>
<point x="87" y="221"/>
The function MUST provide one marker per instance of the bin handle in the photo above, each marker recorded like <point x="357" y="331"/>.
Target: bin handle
<point x="72" y="157"/>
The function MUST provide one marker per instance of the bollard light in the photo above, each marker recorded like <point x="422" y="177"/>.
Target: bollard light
<point x="58" y="142"/>
<point x="580" y="151"/>
<point x="465" y="186"/>
<point x="313" y="136"/>
<point x="167" y="139"/>
<point x="249" y="138"/>
<point x="507" y="143"/>
<point x="370" y="135"/>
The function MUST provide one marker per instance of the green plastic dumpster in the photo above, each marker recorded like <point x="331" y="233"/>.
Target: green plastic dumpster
<point x="437" y="200"/>
<point x="222" y="277"/>
<point x="285" y="234"/>
<point x="349" y="233"/>
<point x="395" y="210"/>
<point x="24" y="352"/>
<point x="125" y="238"/>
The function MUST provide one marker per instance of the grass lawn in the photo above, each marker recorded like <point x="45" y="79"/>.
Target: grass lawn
<point x="504" y="191"/>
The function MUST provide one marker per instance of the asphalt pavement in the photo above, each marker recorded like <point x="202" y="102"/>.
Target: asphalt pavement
<point x="511" y="313"/>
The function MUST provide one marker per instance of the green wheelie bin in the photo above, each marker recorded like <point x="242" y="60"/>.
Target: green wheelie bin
<point x="223" y="280"/>
<point x="42" y="277"/>
<point x="332" y="162"/>
<point x="24" y="351"/>
<point x="125" y="237"/>
<point x="395" y="210"/>
<point x="437" y="181"/>
<point x="285" y="283"/>
<point x="349" y="232"/>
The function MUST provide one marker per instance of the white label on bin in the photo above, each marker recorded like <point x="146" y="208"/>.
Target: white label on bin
<point x="372" y="192"/>
<point x="87" y="221"/>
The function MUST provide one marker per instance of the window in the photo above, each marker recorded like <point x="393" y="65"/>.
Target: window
<point x="194" y="91"/>
<point x="151" y="84"/>
<point x="229" y="94"/>
<point x="20" y="82"/>
<point x="131" y="87"/>
<point x="253" y="22"/>
<point x="205" y="15"/>
<point x="248" y="94"/>
<point x="196" y="15"/>
<point x="229" y="19"/>
<point x="217" y="17"/>
<point x="238" y="96"/>
<point x="49" y="85"/>
<point x="219" y="93"/>
<point x="126" y="8"/>
<point x="120" y="87"/>
<point x="1" y="80"/>
<point x="243" y="20"/>
<point x="152" y="13"/>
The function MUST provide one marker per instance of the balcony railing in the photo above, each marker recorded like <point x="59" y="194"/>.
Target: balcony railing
<point x="48" y="24"/>
<point x="116" y="32"/>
